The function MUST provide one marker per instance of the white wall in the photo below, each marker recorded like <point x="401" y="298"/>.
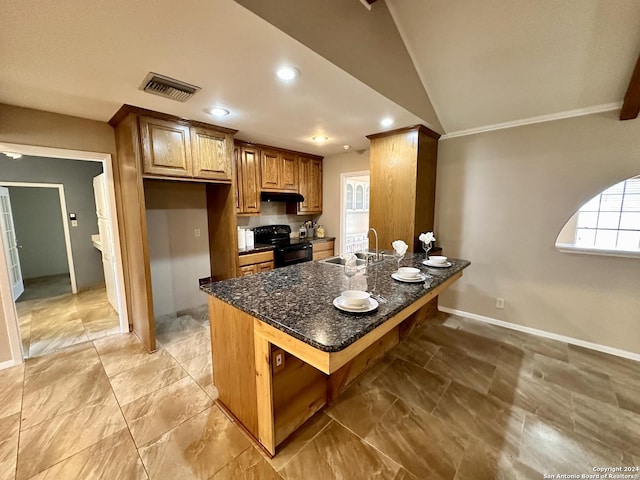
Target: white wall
<point x="333" y="167"/>
<point x="38" y="223"/>
<point x="502" y="198"/>
<point x="178" y="258"/>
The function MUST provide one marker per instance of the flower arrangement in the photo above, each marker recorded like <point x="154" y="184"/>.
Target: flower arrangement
<point x="427" y="237"/>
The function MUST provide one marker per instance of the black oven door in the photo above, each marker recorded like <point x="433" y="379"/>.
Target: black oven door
<point x="292" y="254"/>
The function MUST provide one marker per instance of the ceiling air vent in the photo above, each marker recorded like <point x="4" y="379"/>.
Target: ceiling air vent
<point x="168" y="87"/>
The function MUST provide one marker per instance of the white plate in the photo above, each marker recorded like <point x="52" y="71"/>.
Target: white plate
<point x="420" y="278"/>
<point x="338" y="302"/>
<point x="429" y="263"/>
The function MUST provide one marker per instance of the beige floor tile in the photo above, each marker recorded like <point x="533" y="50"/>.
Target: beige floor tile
<point x="360" y="407"/>
<point x="412" y="384"/>
<point x="38" y="364"/>
<point x="170" y="329"/>
<point x="338" y="453"/>
<point x="115" y="457"/>
<point x="11" y="380"/>
<point x="115" y="342"/>
<point x="199" y="368"/>
<point x="613" y="427"/>
<point x="195" y="345"/>
<point x="481" y="462"/>
<point x="627" y="393"/>
<point x="249" y="465"/>
<point x="618" y="367"/>
<point x="9" y="431"/>
<point x="420" y="442"/>
<point x="552" y="450"/>
<point x="211" y="390"/>
<point x="296" y="442"/>
<point x="469" y="371"/>
<point x="127" y="358"/>
<point x="47" y="443"/>
<point x="150" y="416"/>
<point x="570" y="377"/>
<point x="415" y="348"/>
<point x="534" y="395"/>
<point x="196" y="449"/>
<point x="543" y="346"/>
<point x="46" y="396"/>
<point x="473" y="345"/>
<point x="482" y="416"/>
<point x="51" y="337"/>
<point x="162" y="370"/>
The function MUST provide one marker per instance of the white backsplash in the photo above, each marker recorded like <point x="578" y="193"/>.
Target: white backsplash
<point x="274" y="213"/>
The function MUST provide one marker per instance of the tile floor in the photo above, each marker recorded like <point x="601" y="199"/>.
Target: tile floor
<point x="51" y="318"/>
<point x="456" y="400"/>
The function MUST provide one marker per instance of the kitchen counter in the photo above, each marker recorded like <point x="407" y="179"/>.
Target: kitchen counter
<point x="263" y="247"/>
<point x="298" y="299"/>
<point x="281" y="351"/>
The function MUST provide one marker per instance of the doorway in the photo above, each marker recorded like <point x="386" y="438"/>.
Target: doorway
<point x="354" y="211"/>
<point x="12" y="309"/>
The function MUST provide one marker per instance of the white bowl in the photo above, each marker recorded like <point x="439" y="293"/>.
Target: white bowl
<point x="355" y="298"/>
<point x="408" y="272"/>
<point x="437" y="259"/>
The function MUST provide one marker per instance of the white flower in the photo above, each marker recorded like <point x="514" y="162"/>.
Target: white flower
<point x="427" y="237"/>
<point x="400" y="247"/>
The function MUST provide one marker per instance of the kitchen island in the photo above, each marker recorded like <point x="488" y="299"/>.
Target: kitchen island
<point x="281" y="350"/>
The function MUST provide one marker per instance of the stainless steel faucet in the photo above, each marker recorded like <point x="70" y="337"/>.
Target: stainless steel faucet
<point x="376" y="234"/>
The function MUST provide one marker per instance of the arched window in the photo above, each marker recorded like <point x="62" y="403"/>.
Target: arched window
<point x="349" y="196"/>
<point x="359" y="197"/>
<point x="366" y="198"/>
<point x="608" y="223"/>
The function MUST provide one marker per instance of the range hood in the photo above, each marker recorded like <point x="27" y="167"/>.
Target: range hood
<point x="290" y="197"/>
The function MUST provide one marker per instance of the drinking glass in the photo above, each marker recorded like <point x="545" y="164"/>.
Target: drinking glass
<point x="350" y="270"/>
<point x="398" y="258"/>
<point x="427" y="248"/>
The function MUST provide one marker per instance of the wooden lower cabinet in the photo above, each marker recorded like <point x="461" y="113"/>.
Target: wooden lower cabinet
<point x="323" y="250"/>
<point x="252" y="263"/>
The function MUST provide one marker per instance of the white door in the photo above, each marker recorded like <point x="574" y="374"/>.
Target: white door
<point x="10" y="244"/>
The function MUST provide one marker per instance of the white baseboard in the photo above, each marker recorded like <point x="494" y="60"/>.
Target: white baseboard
<point x="541" y="333"/>
<point x="7" y="364"/>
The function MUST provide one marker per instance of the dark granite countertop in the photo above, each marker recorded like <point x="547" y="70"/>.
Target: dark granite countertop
<point x="298" y="299"/>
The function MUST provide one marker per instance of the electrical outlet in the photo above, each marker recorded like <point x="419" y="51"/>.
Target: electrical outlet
<point x="277" y="360"/>
<point x="500" y="303"/>
<point x="74" y="223"/>
<point x="196" y="232"/>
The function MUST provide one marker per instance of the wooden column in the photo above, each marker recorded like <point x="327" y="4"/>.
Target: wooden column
<point x="403" y="185"/>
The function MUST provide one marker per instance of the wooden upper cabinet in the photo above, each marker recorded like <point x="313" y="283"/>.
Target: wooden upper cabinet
<point x="279" y="170"/>
<point x="211" y="153"/>
<point x="166" y="147"/>
<point x="177" y="149"/>
<point x="288" y="172"/>
<point x="310" y="185"/>
<point x="248" y="175"/>
<point x="269" y="164"/>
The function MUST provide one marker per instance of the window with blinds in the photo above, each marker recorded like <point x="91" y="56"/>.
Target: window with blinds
<point x="611" y="220"/>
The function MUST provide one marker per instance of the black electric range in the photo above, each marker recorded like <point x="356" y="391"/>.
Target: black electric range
<point x="288" y="251"/>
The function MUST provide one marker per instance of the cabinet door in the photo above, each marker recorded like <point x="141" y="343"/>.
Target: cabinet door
<point x="270" y="166"/>
<point x="248" y="270"/>
<point x="236" y="166"/>
<point x="211" y="153"/>
<point x="166" y="148"/>
<point x="310" y="185"/>
<point x="265" y="266"/>
<point x="288" y="172"/>
<point x="249" y="167"/>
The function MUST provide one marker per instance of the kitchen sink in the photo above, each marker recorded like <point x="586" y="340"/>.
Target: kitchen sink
<point x="341" y="261"/>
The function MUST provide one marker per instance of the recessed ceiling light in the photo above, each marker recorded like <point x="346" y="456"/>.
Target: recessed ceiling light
<point x="218" y="112"/>
<point x="386" y="122"/>
<point x="13" y="155"/>
<point x="287" y="73"/>
<point x="320" y="138"/>
<point x="346" y="147"/>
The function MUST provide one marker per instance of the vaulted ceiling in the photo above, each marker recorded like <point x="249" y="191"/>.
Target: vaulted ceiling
<point x="453" y="65"/>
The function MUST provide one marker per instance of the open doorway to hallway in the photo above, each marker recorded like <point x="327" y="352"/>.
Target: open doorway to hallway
<point x="59" y="254"/>
<point x="354" y="212"/>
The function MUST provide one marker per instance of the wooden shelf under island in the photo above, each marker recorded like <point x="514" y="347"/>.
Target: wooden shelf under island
<point x="281" y="351"/>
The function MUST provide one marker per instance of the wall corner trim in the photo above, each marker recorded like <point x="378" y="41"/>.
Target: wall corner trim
<point x="541" y="333"/>
<point x="8" y="364"/>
